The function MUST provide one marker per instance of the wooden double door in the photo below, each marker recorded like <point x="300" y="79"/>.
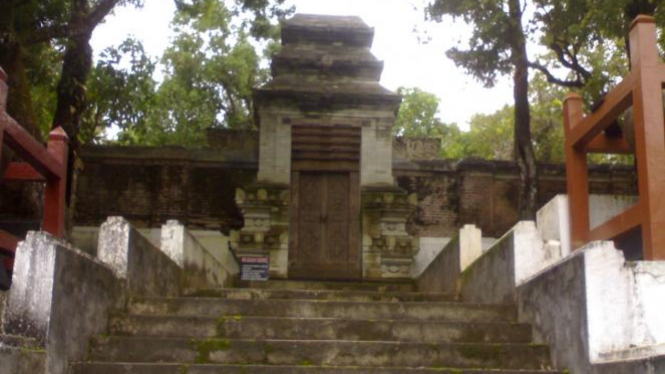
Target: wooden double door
<point x="325" y="205"/>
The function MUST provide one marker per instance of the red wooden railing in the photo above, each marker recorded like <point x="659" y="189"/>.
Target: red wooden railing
<point x="41" y="164"/>
<point x="642" y="89"/>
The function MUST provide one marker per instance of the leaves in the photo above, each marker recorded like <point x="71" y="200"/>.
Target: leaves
<point x="209" y="72"/>
<point x="120" y="97"/>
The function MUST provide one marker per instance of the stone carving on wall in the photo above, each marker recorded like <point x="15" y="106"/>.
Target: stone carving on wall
<point x="417" y="149"/>
<point x="266" y="230"/>
<point x="388" y="249"/>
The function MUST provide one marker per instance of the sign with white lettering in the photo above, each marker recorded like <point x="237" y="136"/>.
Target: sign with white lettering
<point x="254" y="268"/>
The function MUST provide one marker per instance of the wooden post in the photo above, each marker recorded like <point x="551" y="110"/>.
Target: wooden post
<point x="3" y="107"/>
<point x="649" y="134"/>
<point x="54" y="196"/>
<point x="3" y="91"/>
<point x="577" y="174"/>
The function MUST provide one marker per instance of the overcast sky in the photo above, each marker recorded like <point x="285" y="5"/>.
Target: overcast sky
<point x="407" y="61"/>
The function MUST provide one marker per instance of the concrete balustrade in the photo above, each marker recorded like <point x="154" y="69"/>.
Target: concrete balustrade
<point x="600" y="313"/>
<point x="60" y="297"/>
<point x="443" y="272"/>
<point x="133" y="258"/>
<point x="201" y="267"/>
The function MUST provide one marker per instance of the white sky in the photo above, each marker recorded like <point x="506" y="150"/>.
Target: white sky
<point x="407" y="62"/>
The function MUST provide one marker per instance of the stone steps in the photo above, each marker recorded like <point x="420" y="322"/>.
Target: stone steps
<point x="323" y="295"/>
<point x="319" y="329"/>
<point x="329" y="286"/>
<point x="21" y="355"/>
<point x="130" y="368"/>
<point x="319" y="353"/>
<point x="215" y="307"/>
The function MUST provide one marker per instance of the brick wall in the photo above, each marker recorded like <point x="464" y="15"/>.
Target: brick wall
<point x="484" y="193"/>
<point x="149" y="186"/>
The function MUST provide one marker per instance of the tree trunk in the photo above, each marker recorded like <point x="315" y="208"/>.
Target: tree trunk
<point x="71" y="101"/>
<point x="631" y="11"/>
<point x="524" y="154"/>
<point x="76" y="66"/>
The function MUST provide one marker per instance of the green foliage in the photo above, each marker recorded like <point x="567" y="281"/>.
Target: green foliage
<point x="209" y="71"/>
<point x="43" y="63"/>
<point x="124" y="97"/>
<point x="488" y="54"/>
<point x="490" y="136"/>
<point x="586" y="53"/>
<point x="418" y="117"/>
<point x="418" y="114"/>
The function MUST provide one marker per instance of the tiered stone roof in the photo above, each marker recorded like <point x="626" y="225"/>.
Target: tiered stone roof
<point x="326" y="63"/>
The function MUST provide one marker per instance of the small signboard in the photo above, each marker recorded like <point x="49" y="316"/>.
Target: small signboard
<point x="254" y="268"/>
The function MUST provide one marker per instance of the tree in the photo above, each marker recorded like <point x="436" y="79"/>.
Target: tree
<point x="214" y="62"/>
<point x="588" y="42"/>
<point x="33" y="29"/>
<point x="418" y="117"/>
<point x="491" y="135"/>
<point x="571" y="28"/>
<point x="418" y="114"/>
<point x="125" y="97"/>
<point x="498" y="46"/>
<point x="43" y="42"/>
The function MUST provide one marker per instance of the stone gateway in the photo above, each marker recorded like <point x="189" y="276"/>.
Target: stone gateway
<point x="325" y="205"/>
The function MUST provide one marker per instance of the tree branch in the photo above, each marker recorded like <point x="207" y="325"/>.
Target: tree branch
<point x="578" y="83"/>
<point x="88" y="24"/>
<point x="52" y="32"/>
<point x="573" y="64"/>
<point x="100" y="12"/>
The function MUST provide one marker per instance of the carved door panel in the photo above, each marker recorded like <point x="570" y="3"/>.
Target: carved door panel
<point x="326" y="223"/>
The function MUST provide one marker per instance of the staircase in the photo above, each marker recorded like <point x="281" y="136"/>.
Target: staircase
<point x="283" y="327"/>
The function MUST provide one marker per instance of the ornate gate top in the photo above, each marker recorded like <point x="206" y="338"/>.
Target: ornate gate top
<point x="325" y="63"/>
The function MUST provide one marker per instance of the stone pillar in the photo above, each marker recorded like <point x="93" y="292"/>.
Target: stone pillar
<point x="377" y="159"/>
<point x="388" y="250"/>
<point x="61" y="297"/>
<point x="147" y="270"/>
<point x="202" y="268"/>
<point x="274" y="150"/>
<point x="266" y="230"/>
<point x="470" y="245"/>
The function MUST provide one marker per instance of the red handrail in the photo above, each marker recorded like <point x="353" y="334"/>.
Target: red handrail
<point x="41" y="164"/>
<point x="642" y="89"/>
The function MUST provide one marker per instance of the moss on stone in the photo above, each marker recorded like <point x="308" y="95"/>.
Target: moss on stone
<point x="32" y="350"/>
<point x="305" y="362"/>
<point x="266" y="349"/>
<point x="486" y="353"/>
<point x="220" y="327"/>
<point x="466" y="275"/>
<point x="205" y="347"/>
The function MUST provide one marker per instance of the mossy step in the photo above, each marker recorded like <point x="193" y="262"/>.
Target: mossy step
<point x="213" y="307"/>
<point x="236" y="327"/>
<point x="14" y="341"/>
<point x="320" y="353"/>
<point x="22" y="360"/>
<point x="340" y="286"/>
<point x="328" y="295"/>
<point x="127" y="368"/>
